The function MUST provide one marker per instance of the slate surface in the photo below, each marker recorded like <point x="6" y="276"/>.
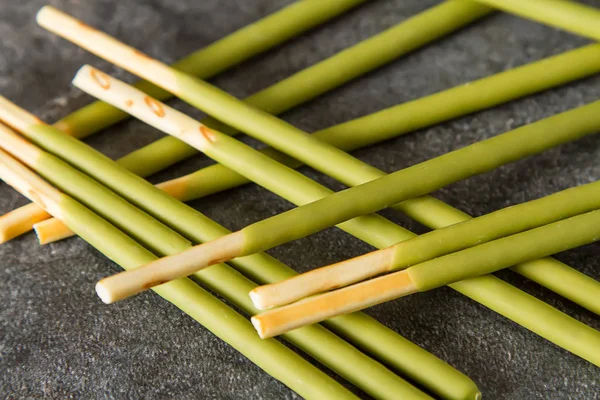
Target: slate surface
<point x="58" y="341"/>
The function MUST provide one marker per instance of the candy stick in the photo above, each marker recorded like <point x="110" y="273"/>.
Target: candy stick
<point x="20" y="221"/>
<point x="51" y="230"/>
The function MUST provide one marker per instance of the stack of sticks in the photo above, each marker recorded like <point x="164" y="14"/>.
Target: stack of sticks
<point x="148" y="231"/>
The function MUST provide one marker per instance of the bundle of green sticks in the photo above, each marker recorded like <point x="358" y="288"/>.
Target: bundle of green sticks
<point x="181" y="254"/>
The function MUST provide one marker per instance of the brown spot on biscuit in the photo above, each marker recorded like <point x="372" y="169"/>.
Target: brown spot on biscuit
<point x="155" y="106"/>
<point x="101" y="78"/>
<point x="64" y="126"/>
<point x="129" y="103"/>
<point x="152" y="284"/>
<point x="208" y="134"/>
<point x="218" y="261"/>
<point x="83" y="25"/>
<point x="139" y="54"/>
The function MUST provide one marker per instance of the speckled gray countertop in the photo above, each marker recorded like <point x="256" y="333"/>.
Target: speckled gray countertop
<point x="57" y="340"/>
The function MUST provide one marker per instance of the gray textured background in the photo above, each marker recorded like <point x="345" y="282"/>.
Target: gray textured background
<point x="56" y="338"/>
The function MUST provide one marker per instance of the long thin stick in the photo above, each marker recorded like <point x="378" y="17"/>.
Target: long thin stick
<point x="277" y="360"/>
<point x="478" y="260"/>
<point x="284" y="137"/>
<point x="473" y="232"/>
<point x="288" y="93"/>
<point x="331" y="210"/>
<point x="568" y="15"/>
<point x="382" y="233"/>
<point x="321" y="344"/>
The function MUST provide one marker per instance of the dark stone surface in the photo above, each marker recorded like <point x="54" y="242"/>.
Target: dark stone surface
<point x="58" y="341"/>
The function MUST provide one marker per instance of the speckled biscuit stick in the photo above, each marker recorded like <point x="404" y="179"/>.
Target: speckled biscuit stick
<point x="437" y="243"/>
<point x="478" y="260"/>
<point x="376" y="230"/>
<point x="370" y="129"/>
<point x="287" y="138"/>
<point x="413" y="361"/>
<point x="283" y="95"/>
<point x="571" y="16"/>
<point x="274" y="358"/>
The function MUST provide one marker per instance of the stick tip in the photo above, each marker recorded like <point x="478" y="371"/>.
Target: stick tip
<point x="40" y="232"/>
<point x="104" y="293"/>
<point x="9" y="230"/>
<point x="79" y="75"/>
<point x="51" y="230"/>
<point x="45" y="14"/>
<point x="4" y="230"/>
<point x="258" y="325"/>
<point x="258" y="300"/>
